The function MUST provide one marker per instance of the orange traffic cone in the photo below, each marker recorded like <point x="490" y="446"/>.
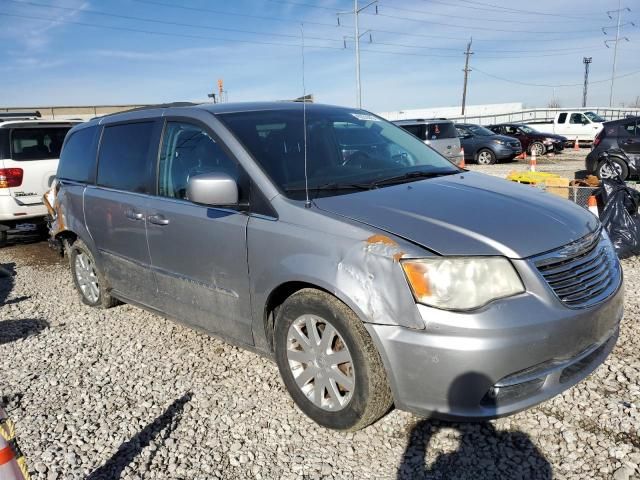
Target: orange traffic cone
<point x="593" y="205"/>
<point x="9" y="468"/>
<point x="462" y="163"/>
<point x="576" y="144"/>
<point x="532" y="163"/>
<point x="12" y="463"/>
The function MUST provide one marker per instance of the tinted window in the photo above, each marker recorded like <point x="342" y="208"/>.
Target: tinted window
<point x="343" y="147"/>
<point x="628" y="129"/>
<point x="577" y="118"/>
<point x="437" y="131"/>
<point x="124" y="162"/>
<point x="187" y="150"/>
<point x="37" y="143"/>
<point x="562" y="118"/>
<point x="511" y="130"/>
<point x="77" y="161"/>
<point x="417" y="130"/>
<point x="483" y="132"/>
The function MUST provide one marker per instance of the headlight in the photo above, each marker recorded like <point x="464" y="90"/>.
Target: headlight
<point x="500" y="142"/>
<point x="461" y="283"/>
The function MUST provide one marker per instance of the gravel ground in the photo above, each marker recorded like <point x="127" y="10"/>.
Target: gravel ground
<point x="126" y="394"/>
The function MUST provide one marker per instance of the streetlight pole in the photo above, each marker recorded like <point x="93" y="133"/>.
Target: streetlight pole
<point x="587" y="62"/>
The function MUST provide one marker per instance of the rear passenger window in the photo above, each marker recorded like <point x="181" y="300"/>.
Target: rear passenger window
<point x="187" y="151"/>
<point x="628" y="129"/>
<point x="37" y="143"/>
<point x="562" y="118"/>
<point x="417" y="130"/>
<point x="124" y="162"/>
<point x="78" y="157"/>
<point x="437" y="131"/>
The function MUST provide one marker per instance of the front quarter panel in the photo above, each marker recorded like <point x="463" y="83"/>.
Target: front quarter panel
<point x="357" y="264"/>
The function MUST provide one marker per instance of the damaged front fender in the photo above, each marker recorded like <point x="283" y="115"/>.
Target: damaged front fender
<point x="371" y="276"/>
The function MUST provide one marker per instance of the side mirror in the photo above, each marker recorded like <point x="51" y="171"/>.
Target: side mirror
<point x="213" y="189"/>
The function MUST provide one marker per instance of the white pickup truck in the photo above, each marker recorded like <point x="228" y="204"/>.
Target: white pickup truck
<point x="571" y="124"/>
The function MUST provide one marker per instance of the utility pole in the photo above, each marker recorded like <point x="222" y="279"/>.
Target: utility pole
<point x="357" y="35"/>
<point x="615" y="42"/>
<point x="466" y="73"/>
<point x="587" y="62"/>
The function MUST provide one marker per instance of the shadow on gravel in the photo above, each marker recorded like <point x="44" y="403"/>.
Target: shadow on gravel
<point x="7" y="272"/>
<point x="12" y="330"/>
<point x="483" y="452"/>
<point x="130" y="449"/>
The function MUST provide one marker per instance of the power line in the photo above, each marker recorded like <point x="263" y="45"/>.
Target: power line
<point x="491" y="29"/>
<point x="234" y="14"/>
<point x="509" y="9"/>
<point x="303" y="4"/>
<point x="517" y="82"/>
<point x="166" y="22"/>
<point x="448" y="15"/>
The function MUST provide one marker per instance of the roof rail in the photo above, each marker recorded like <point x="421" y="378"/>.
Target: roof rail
<point x="4" y="116"/>
<point x="150" y="107"/>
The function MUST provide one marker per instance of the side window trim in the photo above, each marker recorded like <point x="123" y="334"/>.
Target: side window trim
<point x="254" y="190"/>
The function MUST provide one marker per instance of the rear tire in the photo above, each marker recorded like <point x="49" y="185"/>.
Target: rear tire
<point x="329" y="363"/>
<point x="604" y="170"/>
<point x="87" y="277"/>
<point x="485" y="157"/>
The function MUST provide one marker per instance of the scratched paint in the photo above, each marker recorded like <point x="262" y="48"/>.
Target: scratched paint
<point x="370" y="274"/>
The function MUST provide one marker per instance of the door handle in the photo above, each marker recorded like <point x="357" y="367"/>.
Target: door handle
<point x="133" y="215"/>
<point x="158" y="220"/>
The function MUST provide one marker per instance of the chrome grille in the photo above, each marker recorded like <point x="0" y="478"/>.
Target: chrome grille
<point x="583" y="273"/>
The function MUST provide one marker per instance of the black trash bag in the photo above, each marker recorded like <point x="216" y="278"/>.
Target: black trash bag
<point x="620" y="216"/>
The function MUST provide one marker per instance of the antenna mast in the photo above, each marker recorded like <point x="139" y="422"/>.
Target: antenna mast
<point x="307" y="202"/>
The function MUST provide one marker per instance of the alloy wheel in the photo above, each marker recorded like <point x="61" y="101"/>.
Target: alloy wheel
<point x="87" y="278"/>
<point x="484" y="158"/>
<point x="611" y="170"/>
<point x="320" y="362"/>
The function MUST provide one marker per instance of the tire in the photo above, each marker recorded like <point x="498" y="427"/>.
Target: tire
<point x="364" y="396"/>
<point x="538" y="147"/>
<point x="87" y="277"/>
<point x="604" y="171"/>
<point x="485" y="157"/>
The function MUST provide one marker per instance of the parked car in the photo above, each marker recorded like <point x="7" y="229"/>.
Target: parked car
<point x="573" y="124"/>
<point x="485" y="147"/>
<point x="530" y="139"/>
<point x="370" y="281"/>
<point x="438" y="133"/>
<point x="622" y="139"/>
<point x="29" y="151"/>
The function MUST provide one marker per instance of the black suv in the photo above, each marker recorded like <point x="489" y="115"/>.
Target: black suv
<point x="621" y="140"/>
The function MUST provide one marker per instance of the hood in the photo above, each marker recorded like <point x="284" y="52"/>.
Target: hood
<point x="468" y="214"/>
<point x="504" y="138"/>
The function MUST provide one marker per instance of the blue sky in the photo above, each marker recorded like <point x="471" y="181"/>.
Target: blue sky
<point x="415" y="59"/>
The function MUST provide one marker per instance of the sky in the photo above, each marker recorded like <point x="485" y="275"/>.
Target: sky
<point x="100" y="52"/>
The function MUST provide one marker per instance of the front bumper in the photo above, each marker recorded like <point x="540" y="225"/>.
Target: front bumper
<point x="509" y="356"/>
<point x="505" y="152"/>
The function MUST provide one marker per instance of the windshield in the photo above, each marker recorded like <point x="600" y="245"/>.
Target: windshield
<point x="478" y="130"/>
<point x="528" y="130"/>
<point x="594" y="117"/>
<point x="344" y="147"/>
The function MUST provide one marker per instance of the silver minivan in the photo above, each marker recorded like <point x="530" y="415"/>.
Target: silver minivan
<point x="439" y="133"/>
<point x="374" y="271"/>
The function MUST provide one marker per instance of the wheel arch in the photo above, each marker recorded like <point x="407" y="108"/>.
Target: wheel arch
<point x="279" y="295"/>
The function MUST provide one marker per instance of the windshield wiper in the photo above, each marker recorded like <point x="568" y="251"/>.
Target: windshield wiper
<point x="408" y="177"/>
<point x="330" y="187"/>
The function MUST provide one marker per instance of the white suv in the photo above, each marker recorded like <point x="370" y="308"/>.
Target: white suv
<point x="29" y="152"/>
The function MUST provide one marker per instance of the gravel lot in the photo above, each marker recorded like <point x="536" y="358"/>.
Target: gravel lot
<point x="126" y="394"/>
